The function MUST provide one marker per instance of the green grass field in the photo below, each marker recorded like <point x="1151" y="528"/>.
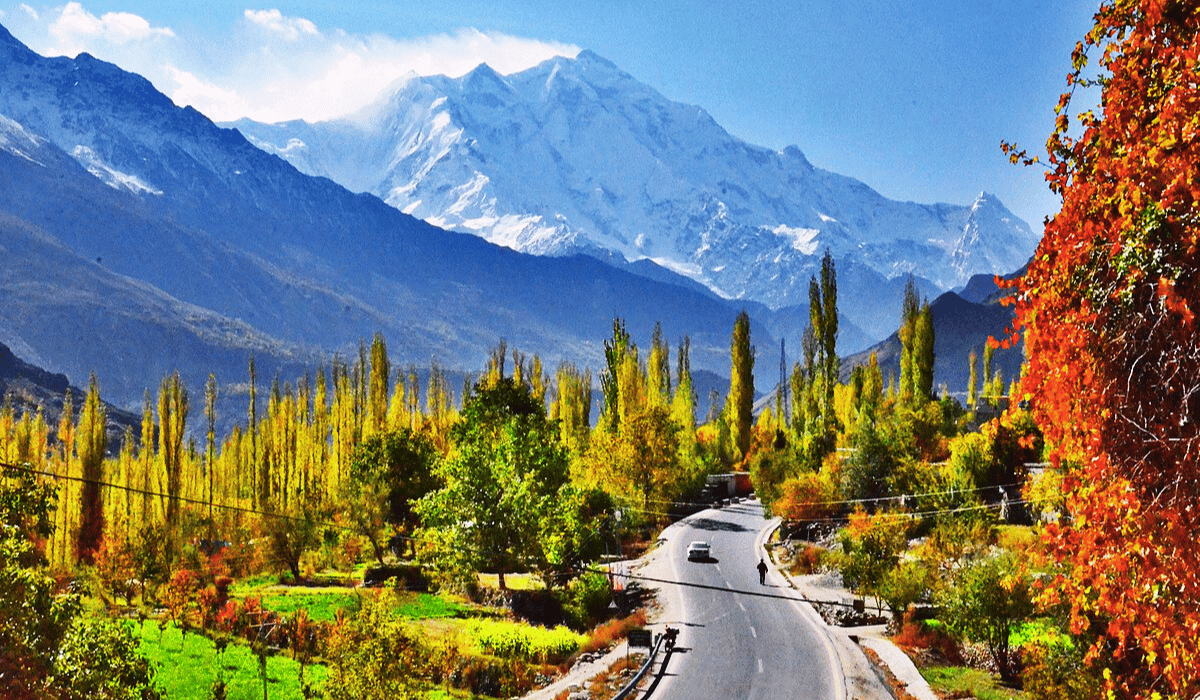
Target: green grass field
<point x="981" y="684"/>
<point x="187" y="667"/>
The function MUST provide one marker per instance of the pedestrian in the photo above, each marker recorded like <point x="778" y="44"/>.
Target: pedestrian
<point x="762" y="572"/>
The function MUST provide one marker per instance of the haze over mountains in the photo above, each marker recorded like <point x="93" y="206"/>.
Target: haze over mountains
<point x="138" y="238"/>
<point x="575" y="155"/>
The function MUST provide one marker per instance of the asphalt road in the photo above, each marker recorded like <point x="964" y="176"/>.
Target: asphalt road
<point x="737" y="638"/>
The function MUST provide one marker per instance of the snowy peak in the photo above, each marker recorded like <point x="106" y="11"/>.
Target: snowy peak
<point x="575" y="155"/>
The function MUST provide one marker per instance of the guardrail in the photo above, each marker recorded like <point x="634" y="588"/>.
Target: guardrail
<point x="632" y="684"/>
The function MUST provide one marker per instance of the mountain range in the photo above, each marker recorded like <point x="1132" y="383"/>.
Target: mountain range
<point x="575" y="155"/>
<point x="139" y="238"/>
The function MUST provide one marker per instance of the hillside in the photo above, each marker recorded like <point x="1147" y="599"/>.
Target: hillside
<point x="165" y="242"/>
<point x="959" y="326"/>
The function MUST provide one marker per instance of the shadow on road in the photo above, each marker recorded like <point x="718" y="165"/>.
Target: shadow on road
<point x="710" y="524"/>
<point x="662" y="671"/>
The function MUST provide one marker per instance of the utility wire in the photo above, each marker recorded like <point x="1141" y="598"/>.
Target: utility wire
<point x="876" y="499"/>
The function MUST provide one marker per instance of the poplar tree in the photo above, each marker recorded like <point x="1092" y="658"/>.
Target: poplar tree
<point x="740" y="405"/>
<point x="973" y="381"/>
<point x="172" y="424"/>
<point x="988" y="381"/>
<point x="923" y="355"/>
<point x="910" y="309"/>
<point x="615" y="350"/>
<point x="210" y="451"/>
<point x="91" y="441"/>
<point x="658" y="369"/>
<point x="377" y="396"/>
<point x="829" y="329"/>
<point x="683" y="403"/>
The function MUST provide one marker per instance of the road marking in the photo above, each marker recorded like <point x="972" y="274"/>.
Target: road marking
<point x="729" y="585"/>
<point x="760" y="666"/>
<point x="753" y="632"/>
<point x="742" y="606"/>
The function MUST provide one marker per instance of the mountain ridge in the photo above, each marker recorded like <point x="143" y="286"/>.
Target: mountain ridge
<point x="575" y="155"/>
<point x="223" y="251"/>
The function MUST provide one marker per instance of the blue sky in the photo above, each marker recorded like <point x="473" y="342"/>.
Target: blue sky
<point x="911" y="98"/>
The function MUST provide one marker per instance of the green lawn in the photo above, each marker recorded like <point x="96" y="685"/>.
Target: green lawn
<point x="981" y="684"/>
<point x="323" y="603"/>
<point x="186" y="668"/>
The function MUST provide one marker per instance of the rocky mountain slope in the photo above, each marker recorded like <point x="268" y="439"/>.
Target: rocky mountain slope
<point x="141" y="238"/>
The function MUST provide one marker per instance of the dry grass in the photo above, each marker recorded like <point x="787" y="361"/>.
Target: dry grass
<point x="608" y="633"/>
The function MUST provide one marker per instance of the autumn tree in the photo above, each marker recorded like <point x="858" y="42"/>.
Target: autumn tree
<point x="740" y="403"/>
<point x="90" y="443"/>
<point x="1108" y="313"/>
<point x="172" y="424"/>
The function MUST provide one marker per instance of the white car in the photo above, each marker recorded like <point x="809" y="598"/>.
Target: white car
<point x="699" y="550"/>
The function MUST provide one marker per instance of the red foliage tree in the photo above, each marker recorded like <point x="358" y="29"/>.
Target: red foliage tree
<point x="1107" y="309"/>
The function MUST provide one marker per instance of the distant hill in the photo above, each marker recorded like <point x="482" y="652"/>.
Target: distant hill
<point x="28" y="389"/>
<point x="139" y="238"/>
<point x="959" y="326"/>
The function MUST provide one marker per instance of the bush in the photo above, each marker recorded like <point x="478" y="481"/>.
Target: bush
<point x="871" y="547"/>
<point x="609" y="632"/>
<point x="809" y="560"/>
<point x="587" y="600"/>
<point x="1054" y="670"/>
<point x="98" y="659"/>
<point x="527" y="642"/>
<point x="908" y="583"/>
<point x="923" y="634"/>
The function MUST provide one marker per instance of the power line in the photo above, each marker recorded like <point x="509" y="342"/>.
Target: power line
<point x="876" y="499"/>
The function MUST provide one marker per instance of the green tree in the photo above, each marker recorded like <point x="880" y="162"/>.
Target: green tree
<point x="908" y="315"/>
<point x="41" y="653"/>
<point x="972" y="381"/>
<point x="378" y="391"/>
<point x="388" y="474"/>
<point x="294" y="528"/>
<point x="922" y="355"/>
<point x="501" y="480"/>
<point x="740" y="405"/>
<point x="823" y="316"/>
<point x="616" y="351"/>
<point x="172" y="425"/>
<point x="988" y="599"/>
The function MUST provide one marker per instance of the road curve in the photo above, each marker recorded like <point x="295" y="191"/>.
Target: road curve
<point x="738" y="638"/>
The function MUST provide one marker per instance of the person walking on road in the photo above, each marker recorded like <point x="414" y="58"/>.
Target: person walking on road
<point x="762" y="572"/>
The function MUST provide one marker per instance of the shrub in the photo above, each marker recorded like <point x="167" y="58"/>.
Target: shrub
<point x="910" y="582"/>
<point x="1054" y="670"/>
<point x="99" y="659"/>
<point x="608" y="633"/>
<point x="920" y="634"/>
<point x="809" y="560"/>
<point x="587" y="600"/>
<point x="527" y="642"/>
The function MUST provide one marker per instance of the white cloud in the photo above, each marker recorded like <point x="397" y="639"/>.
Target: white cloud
<point x="75" y="29"/>
<point x="291" y="28"/>
<point x="30" y="11"/>
<point x="269" y="66"/>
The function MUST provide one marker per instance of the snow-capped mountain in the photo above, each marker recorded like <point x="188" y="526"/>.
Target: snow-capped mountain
<point x="138" y="238"/>
<point x="575" y="155"/>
